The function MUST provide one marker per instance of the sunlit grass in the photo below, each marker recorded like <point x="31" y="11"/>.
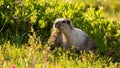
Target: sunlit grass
<point x="23" y="58"/>
<point x="23" y="36"/>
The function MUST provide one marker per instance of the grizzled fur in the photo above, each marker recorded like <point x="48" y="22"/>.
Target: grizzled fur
<point x="67" y="36"/>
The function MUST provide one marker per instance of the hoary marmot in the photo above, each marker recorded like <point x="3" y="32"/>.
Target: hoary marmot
<point x="65" y="35"/>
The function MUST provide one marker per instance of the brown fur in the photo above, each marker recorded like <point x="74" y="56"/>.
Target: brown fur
<point x="56" y="38"/>
<point x="87" y="44"/>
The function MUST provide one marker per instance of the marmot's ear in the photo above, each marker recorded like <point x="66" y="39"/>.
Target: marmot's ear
<point x="70" y="24"/>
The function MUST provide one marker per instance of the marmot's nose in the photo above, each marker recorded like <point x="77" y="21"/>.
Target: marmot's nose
<point x="56" y="25"/>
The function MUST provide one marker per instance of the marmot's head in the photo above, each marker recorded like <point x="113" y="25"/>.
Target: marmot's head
<point x="63" y="24"/>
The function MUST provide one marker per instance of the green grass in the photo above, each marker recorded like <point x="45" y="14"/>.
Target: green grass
<point x="26" y="25"/>
<point x="24" y="58"/>
<point x="37" y="55"/>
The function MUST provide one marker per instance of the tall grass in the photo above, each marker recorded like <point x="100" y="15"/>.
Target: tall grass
<point x="27" y="57"/>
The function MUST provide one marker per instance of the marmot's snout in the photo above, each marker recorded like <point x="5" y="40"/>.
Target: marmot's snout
<point x="57" y="25"/>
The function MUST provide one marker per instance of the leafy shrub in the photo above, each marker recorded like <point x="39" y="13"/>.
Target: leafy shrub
<point x="17" y="17"/>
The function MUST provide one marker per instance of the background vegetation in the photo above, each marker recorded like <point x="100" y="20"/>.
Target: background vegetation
<point x="25" y="27"/>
